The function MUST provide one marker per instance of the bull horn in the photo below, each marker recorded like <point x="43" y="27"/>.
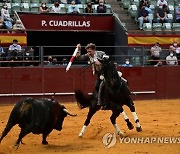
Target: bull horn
<point x="65" y="110"/>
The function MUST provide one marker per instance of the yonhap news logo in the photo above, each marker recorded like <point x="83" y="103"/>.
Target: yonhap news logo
<point x="150" y="140"/>
<point x="110" y="139"/>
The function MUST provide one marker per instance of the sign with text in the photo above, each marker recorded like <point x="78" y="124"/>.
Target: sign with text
<point x="68" y="22"/>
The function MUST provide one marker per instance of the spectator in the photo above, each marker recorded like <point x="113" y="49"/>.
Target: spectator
<point x="171" y="59"/>
<point x="73" y="8"/>
<point x="155" y="54"/>
<point x="161" y="15"/>
<point x="171" y="49"/>
<point x="28" y="54"/>
<point x="14" y="50"/>
<point x="15" y="46"/>
<point x="49" y="61"/>
<point x="54" y="61"/>
<point x="1" y="48"/>
<point x="43" y="8"/>
<point x="127" y="63"/>
<point x="2" y="53"/>
<point x="164" y="4"/>
<point x="6" y="17"/>
<point x="89" y="8"/>
<point x="143" y="17"/>
<point x="146" y="4"/>
<point x="176" y="49"/>
<point x="56" y="7"/>
<point x="178" y="14"/>
<point x="18" y="27"/>
<point x="101" y="8"/>
<point x="64" y="61"/>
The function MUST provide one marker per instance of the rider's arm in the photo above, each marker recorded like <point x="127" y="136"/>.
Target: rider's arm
<point x="80" y="57"/>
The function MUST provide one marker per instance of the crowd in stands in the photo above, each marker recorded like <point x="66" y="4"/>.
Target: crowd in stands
<point x="161" y="12"/>
<point x="160" y="15"/>
<point x="8" y="21"/>
<point x="16" y="55"/>
<point x="173" y="58"/>
<point x="58" y="6"/>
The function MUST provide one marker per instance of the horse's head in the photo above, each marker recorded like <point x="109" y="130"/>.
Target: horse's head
<point x="109" y="71"/>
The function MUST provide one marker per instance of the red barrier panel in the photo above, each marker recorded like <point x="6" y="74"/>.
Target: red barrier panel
<point x="6" y="80"/>
<point x="147" y="82"/>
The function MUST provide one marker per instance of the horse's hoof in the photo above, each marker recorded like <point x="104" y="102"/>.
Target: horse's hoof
<point x="130" y="126"/>
<point x="44" y="142"/>
<point x="120" y="134"/>
<point x="138" y="129"/>
<point x="80" y="135"/>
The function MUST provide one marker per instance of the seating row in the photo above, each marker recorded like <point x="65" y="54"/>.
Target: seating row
<point x="133" y="11"/>
<point x="34" y="7"/>
<point x="161" y="27"/>
<point x="126" y="3"/>
<point x="46" y="1"/>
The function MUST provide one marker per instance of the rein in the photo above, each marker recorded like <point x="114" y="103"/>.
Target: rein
<point x="84" y="68"/>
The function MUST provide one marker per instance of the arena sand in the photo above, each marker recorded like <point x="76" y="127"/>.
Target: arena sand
<point x="159" y="119"/>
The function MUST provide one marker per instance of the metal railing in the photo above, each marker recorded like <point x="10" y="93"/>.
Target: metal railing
<point x="138" y="56"/>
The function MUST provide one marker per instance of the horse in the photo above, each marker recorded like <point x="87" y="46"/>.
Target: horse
<point x="116" y="92"/>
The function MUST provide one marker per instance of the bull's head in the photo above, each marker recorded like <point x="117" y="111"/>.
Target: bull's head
<point x="63" y="112"/>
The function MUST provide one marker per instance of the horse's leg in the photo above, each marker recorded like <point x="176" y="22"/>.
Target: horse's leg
<point x="115" y="114"/>
<point x="136" y="119"/>
<point x="129" y="124"/>
<point x="92" y="111"/>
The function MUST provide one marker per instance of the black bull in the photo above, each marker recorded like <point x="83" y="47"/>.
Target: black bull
<point x="39" y="116"/>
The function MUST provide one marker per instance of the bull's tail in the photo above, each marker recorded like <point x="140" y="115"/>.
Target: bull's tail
<point x="83" y="100"/>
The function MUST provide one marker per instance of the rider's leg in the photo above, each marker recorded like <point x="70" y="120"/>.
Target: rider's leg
<point x="100" y="93"/>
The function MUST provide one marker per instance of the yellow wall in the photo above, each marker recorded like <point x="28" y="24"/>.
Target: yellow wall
<point x="7" y="39"/>
<point x="149" y="40"/>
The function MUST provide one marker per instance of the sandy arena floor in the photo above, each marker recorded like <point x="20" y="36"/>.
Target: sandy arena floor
<point x="158" y="118"/>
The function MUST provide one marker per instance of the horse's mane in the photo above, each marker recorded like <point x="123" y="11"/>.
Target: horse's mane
<point x="110" y="72"/>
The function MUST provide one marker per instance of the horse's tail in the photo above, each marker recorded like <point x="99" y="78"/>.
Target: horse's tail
<point x="83" y="100"/>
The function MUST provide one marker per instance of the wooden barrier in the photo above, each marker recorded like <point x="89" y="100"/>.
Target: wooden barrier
<point x="146" y="82"/>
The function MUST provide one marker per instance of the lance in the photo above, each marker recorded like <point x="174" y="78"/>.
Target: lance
<point x="72" y="59"/>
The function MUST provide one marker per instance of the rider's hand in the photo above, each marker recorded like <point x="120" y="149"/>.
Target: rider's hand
<point x="79" y="47"/>
<point x="97" y="62"/>
<point x="79" y="50"/>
